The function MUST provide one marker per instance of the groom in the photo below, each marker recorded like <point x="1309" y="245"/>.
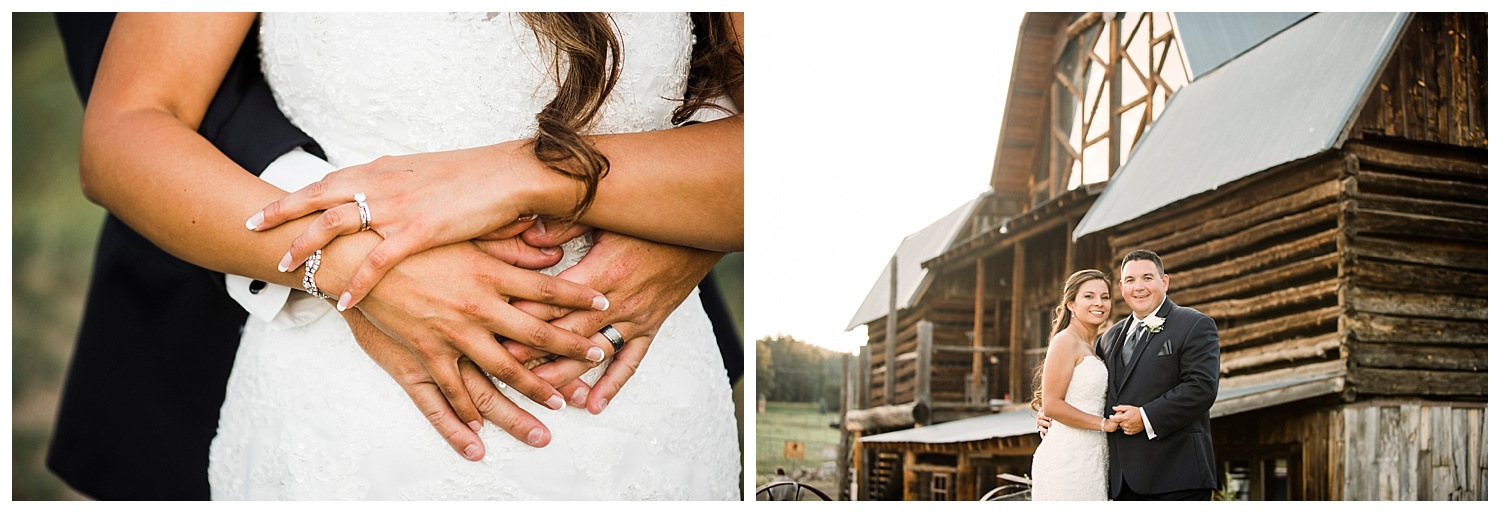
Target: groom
<point x="1163" y="376"/>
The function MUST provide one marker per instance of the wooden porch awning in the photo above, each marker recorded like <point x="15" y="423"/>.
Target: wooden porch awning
<point x="1013" y="429"/>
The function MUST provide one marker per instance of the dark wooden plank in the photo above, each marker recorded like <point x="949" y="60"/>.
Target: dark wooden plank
<point x="1364" y="222"/>
<point x="1426" y="207"/>
<point x="1473" y="358"/>
<point x="1380" y="274"/>
<point x="1438" y="306"/>
<point x="1428" y="252"/>
<point x="1377" y="328"/>
<point x="1428" y="383"/>
<point x="1382" y="182"/>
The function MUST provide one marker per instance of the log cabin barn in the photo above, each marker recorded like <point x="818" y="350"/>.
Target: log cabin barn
<point x="1316" y="183"/>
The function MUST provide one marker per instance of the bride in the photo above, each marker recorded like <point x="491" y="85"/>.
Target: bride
<point x="488" y="110"/>
<point x="1071" y="463"/>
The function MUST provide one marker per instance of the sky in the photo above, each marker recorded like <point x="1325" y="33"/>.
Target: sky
<point x="869" y="126"/>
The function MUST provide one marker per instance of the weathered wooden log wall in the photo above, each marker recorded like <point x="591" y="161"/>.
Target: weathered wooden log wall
<point x="1414" y="272"/>
<point x="1260" y="258"/>
<point x="953" y="319"/>
<point x="1415" y="217"/>
<point x="1414" y="450"/>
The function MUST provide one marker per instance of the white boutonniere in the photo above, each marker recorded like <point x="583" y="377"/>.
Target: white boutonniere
<point x="1153" y="323"/>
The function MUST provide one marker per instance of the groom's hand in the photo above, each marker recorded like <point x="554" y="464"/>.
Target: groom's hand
<point x="407" y="369"/>
<point x="1043" y="423"/>
<point x="445" y="304"/>
<point x="1129" y="418"/>
<point x="645" y="281"/>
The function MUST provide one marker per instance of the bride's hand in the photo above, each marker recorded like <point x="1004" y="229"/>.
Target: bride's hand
<point x="446" y="304"/>
<point x="416" y="202"/>
<point x="407" y="369"/>
<point x="645" y="280"/>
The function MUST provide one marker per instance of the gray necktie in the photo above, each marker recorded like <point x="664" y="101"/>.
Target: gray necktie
<point x="1135" y="337"/>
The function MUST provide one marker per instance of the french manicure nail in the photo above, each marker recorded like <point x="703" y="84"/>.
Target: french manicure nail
<point x="344" y="300"/>
<point x="255" y="221"/>
<point x="472" y="452"/>
<point x="579" y="396"/>
<point x="534" y="438"/>
<point x="475" y="425"/>
<point x="286" y="263"/>
<point x="555" y="402"/>
<point x="596" y="355"/>
<point x="601" y="303"/>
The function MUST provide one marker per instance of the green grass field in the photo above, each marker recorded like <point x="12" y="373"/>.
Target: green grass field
<point x="801" y="422"/>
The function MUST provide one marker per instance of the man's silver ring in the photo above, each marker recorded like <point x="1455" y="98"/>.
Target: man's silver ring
<point x="364" y="211"/>
<point x="613" y="335"/>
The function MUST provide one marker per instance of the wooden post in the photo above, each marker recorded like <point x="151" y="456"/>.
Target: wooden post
<point x="1116" y="92"/>
<point x="963" y="488"/>
<point x="976" y="389"/>
<point x="861" y="488"/>
<point x="890" y="340"/>
<point x="864" y="376"/>
<point x="846" y="396"/>
<point x="924" y="364"/>
<point x="1070" y="258"/>
<point x="909" y="483"/>
<point x="1017" y="321"/>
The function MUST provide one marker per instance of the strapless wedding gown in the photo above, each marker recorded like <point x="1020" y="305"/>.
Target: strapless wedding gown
<point x="307" y="415"/>
<point x="1073" y="464"/>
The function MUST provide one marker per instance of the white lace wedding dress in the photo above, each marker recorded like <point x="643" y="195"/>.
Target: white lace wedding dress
<point x="1073" y="464"/>
<point x="308" y="415"/>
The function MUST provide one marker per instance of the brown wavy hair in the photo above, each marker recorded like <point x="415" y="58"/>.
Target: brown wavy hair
<point x="586" y="66"/>
<point x="1061" y="318"/>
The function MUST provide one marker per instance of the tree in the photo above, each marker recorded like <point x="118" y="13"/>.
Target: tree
<point x="795" y="371"/>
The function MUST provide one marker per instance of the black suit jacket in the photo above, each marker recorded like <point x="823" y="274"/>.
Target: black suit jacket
<point x="1174" y="377"/>
<point x="141" y="400"/>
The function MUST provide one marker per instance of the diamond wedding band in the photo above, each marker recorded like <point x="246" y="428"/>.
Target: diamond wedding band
<point x="364" y="211"/>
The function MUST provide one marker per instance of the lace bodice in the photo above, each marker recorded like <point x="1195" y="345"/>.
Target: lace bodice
<point x="470" y="79"/>
<point x="1087" y="389"/>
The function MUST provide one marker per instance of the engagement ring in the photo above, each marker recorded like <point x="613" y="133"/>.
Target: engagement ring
<point x="364" y="211"/>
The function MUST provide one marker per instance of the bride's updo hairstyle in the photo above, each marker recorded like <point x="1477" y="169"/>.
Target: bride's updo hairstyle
<point x="589" y="47"/>
<point x="1061" y="318"/>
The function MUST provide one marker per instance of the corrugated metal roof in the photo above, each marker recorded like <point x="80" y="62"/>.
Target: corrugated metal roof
<point x="973" y="429"/>
<point x="1023" y="422"/>
<point x="1289" y="98"/>
<point x="1210" y="39"/>
<point x="916" y="248"/>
